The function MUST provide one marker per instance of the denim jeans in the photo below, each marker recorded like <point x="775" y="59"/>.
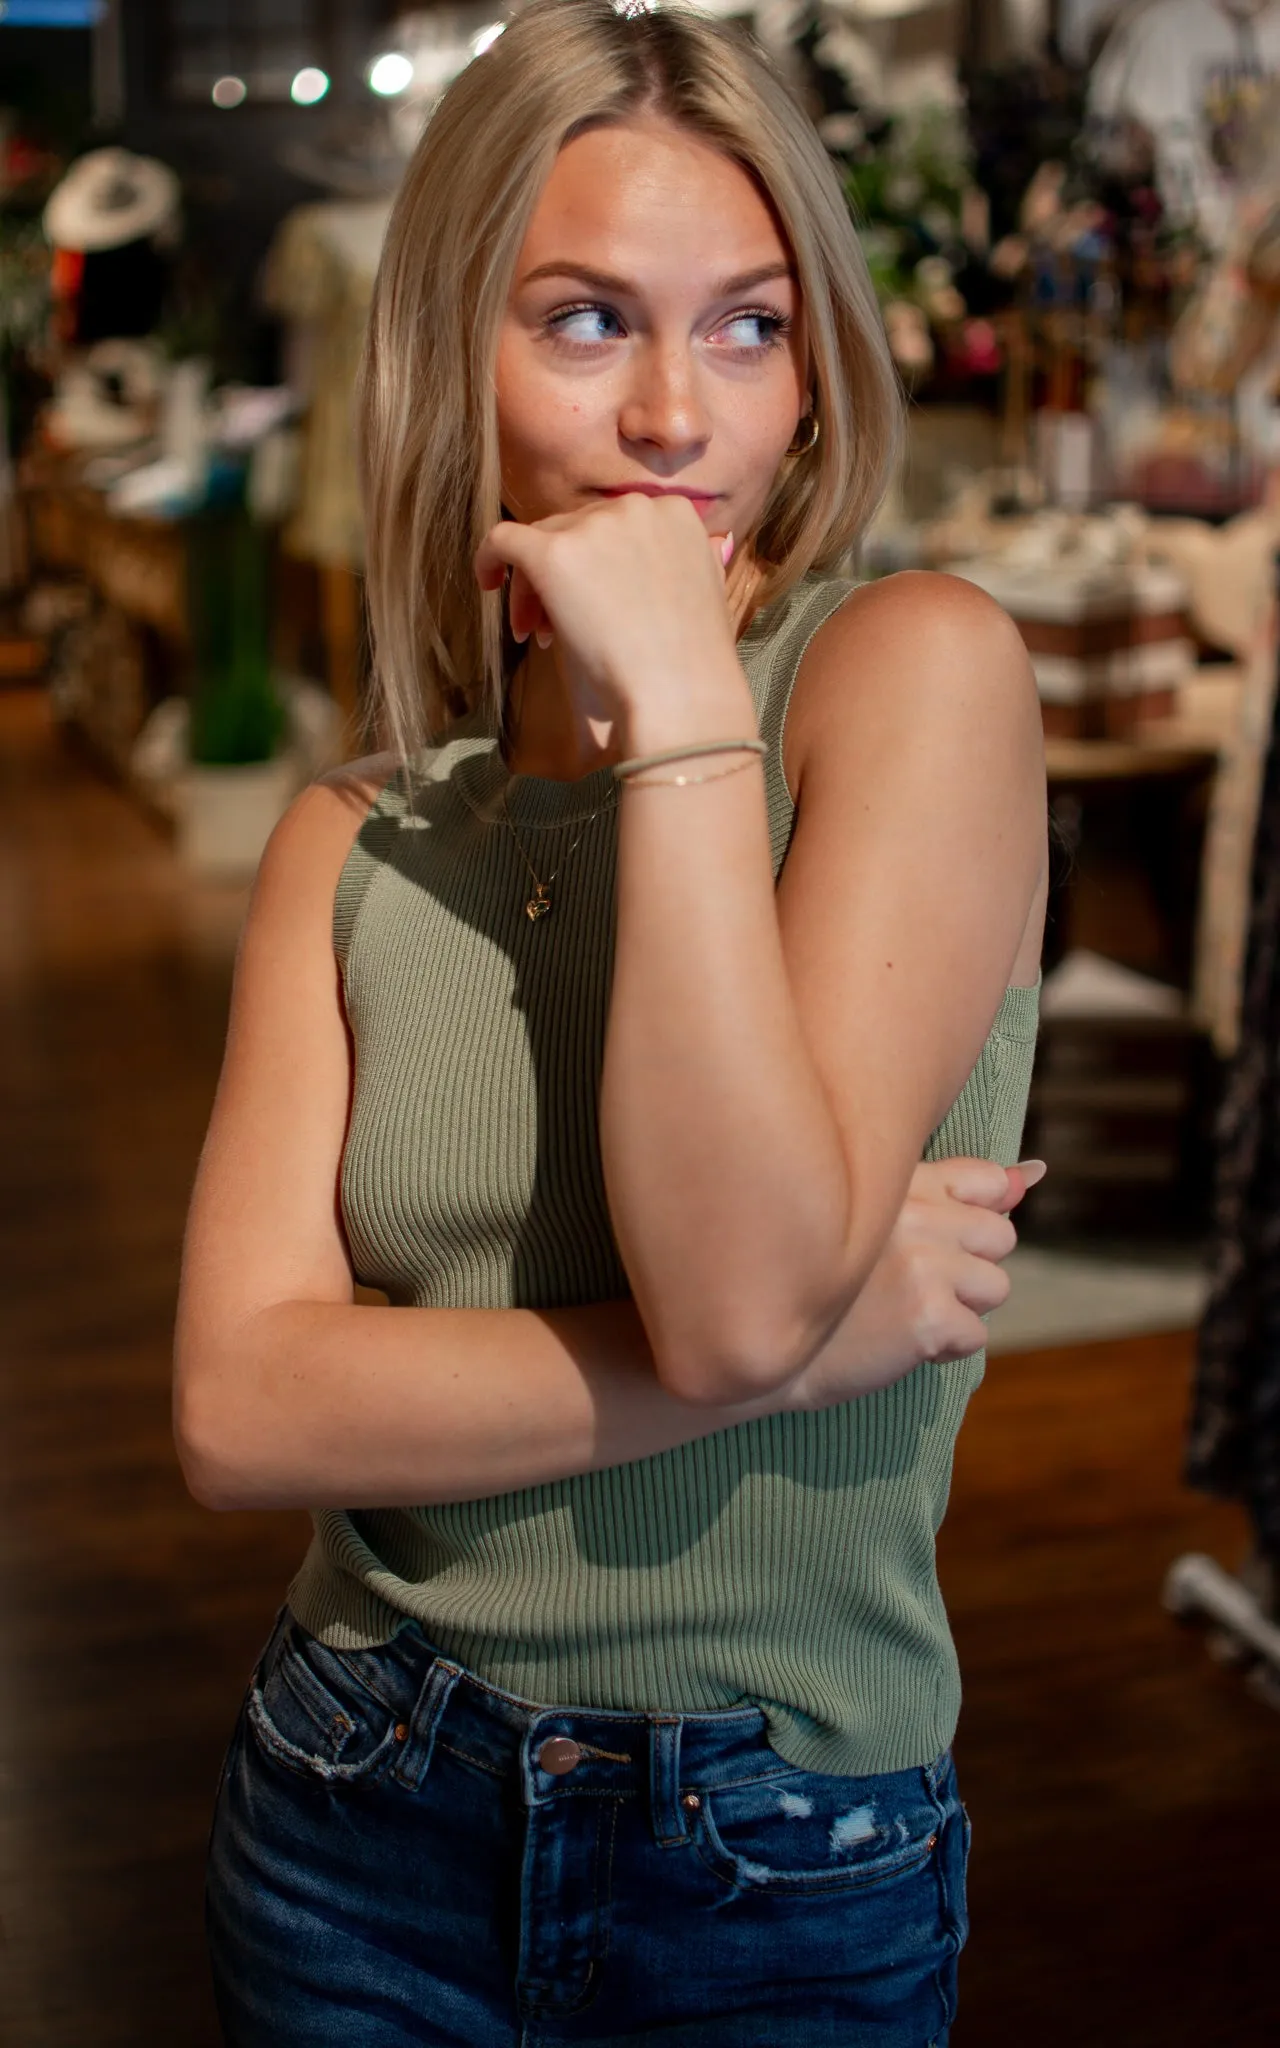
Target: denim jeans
<point x="402" y="1854"/>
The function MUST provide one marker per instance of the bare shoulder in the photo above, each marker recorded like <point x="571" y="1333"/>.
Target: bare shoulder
<point x="919" y="660"/>
<point x="305" y="854"/>
<point x="925" y="602"/>
<point x="935" y="634"/>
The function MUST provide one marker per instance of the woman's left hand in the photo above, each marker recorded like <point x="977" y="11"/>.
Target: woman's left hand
<point x="941" y="1271"/>
<point x="633" y="592"/>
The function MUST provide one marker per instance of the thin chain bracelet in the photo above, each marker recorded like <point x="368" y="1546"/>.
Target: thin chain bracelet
<point x="624" y="770"/>
<point x="682" y="781"/>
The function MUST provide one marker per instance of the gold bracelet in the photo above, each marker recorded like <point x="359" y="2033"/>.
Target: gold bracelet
<point x="682" y="781"/>
<point x="624" y="770"/>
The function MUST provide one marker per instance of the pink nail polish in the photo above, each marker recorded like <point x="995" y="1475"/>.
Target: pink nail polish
<point x="726" y="549"/>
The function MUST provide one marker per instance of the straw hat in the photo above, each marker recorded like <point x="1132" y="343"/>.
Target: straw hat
<point x="110" y="197"/>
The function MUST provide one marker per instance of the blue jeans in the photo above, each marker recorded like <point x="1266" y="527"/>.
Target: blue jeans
<point x="402" y="1854"/>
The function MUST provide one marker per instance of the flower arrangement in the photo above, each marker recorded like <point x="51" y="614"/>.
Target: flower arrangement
<point x="909" y="180"/>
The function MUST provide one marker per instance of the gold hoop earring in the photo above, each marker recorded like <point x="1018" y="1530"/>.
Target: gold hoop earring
<point x="814" y="425"/>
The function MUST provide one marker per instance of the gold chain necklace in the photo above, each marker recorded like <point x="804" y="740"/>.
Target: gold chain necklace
<point x="540" y="903"/>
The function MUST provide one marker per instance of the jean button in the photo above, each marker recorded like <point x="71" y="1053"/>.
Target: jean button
<point x="559" y="1755"/>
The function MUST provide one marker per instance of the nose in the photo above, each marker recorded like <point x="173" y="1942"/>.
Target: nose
<point x="663" y="411"/>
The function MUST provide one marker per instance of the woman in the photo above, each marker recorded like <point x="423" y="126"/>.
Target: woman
<point x="637" y="1725"/>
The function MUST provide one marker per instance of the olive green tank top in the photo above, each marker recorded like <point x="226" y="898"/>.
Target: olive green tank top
<point x="786" y="1562"/>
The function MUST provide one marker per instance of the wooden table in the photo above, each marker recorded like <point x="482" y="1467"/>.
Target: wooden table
<point x="1071" y="762"/>
<point x="136" y="648"/>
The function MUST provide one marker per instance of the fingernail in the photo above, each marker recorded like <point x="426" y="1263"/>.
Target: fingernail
<point x="1032" y="1170"/>
<point x="544" y="636"/>
<point x="726" y="549"/>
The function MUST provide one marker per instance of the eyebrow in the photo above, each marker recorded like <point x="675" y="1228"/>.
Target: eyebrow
<point x="605" y="281"/>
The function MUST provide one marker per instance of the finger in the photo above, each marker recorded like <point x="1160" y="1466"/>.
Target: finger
<point x="965" y="1333"/>
<point x="986" y="1233"/>
<point x="525" y="609"/>
<point x="981" y="1181"/>
<point x="1027" y="1174"/>
<point x="981" y="1286"/>
<point x="491" y="562"/>
<point x="506" y="546"/>
<point x="511" y="542"/>
<point x="989" y="1185"/>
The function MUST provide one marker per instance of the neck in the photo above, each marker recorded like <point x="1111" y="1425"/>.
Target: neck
<point x="546" y="734"/>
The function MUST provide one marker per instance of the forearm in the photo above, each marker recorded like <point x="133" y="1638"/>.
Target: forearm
<point x="317" y="1404"/>
<point x="727" y="1183"/>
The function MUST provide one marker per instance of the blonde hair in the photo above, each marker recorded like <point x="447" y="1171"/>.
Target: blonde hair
<point x="426" y="409"/>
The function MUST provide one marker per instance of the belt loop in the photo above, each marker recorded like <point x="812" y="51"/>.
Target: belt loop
<point x="669" y="1830"/>
<point x="415" y="1756"/>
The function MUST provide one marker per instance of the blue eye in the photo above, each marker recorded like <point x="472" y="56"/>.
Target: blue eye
<point x="755" y="329"/>
<point x="589" y="324"/>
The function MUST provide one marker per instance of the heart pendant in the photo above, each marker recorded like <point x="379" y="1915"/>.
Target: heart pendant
<point x="537" y="907"/>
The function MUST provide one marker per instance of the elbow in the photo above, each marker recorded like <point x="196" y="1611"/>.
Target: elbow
<point x="739" y="1366"/>
<point x="701" y="1387"/>
<point x="209" y="1481"/>
<point x="720" y="1375"/>
<point x="203" y="1443"/>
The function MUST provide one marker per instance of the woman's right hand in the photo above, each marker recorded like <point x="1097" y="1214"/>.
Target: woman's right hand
<point x="939" y="1273"/>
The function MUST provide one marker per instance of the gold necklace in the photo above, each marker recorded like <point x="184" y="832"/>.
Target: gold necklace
<point x="540" y="903"/>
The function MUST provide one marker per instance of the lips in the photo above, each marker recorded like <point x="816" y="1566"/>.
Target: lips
<point x="657" y="491"/>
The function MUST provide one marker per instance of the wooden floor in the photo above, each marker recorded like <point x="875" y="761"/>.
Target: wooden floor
<point x="1125" y="1791"/>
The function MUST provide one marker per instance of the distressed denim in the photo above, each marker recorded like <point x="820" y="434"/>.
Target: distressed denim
<point x="402" y="1854"/>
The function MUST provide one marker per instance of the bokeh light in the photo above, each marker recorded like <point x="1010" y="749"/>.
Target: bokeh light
<point x="309" y="86"/>
<point x="390" y="73"/>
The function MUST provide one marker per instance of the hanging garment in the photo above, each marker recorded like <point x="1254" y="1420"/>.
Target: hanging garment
<point x="1191" y="73"/>
<point x="1234" y="1442"/>
<point x="319" y="277"/>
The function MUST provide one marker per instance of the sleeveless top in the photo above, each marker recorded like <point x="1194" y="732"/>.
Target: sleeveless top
<point x="786" y="1562"/>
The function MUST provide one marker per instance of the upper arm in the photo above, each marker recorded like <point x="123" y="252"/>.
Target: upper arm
<point x="264" y="1224"/>
<point x="917" y="862"/>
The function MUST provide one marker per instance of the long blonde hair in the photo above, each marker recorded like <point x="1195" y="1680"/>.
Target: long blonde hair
<point x="426" y="408"/>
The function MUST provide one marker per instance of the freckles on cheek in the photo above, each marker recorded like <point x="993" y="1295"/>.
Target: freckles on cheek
<point x="541" y="449"/>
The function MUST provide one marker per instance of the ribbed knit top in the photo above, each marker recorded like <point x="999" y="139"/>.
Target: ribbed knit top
<point x="787" y="1562"/>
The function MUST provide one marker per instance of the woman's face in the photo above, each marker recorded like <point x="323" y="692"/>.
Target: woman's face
<point x="654" y="338"/>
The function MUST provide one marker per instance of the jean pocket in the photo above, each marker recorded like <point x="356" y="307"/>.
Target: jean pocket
<point x="316" y="1712"/>
<point x="801" y="1831"/>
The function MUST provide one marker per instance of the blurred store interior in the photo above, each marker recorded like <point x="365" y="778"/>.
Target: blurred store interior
<point x="1071" y="209"/>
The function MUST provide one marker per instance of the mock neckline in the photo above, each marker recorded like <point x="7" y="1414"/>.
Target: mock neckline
<point x="541" y="802"/>
<point x="538" y="801"/>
